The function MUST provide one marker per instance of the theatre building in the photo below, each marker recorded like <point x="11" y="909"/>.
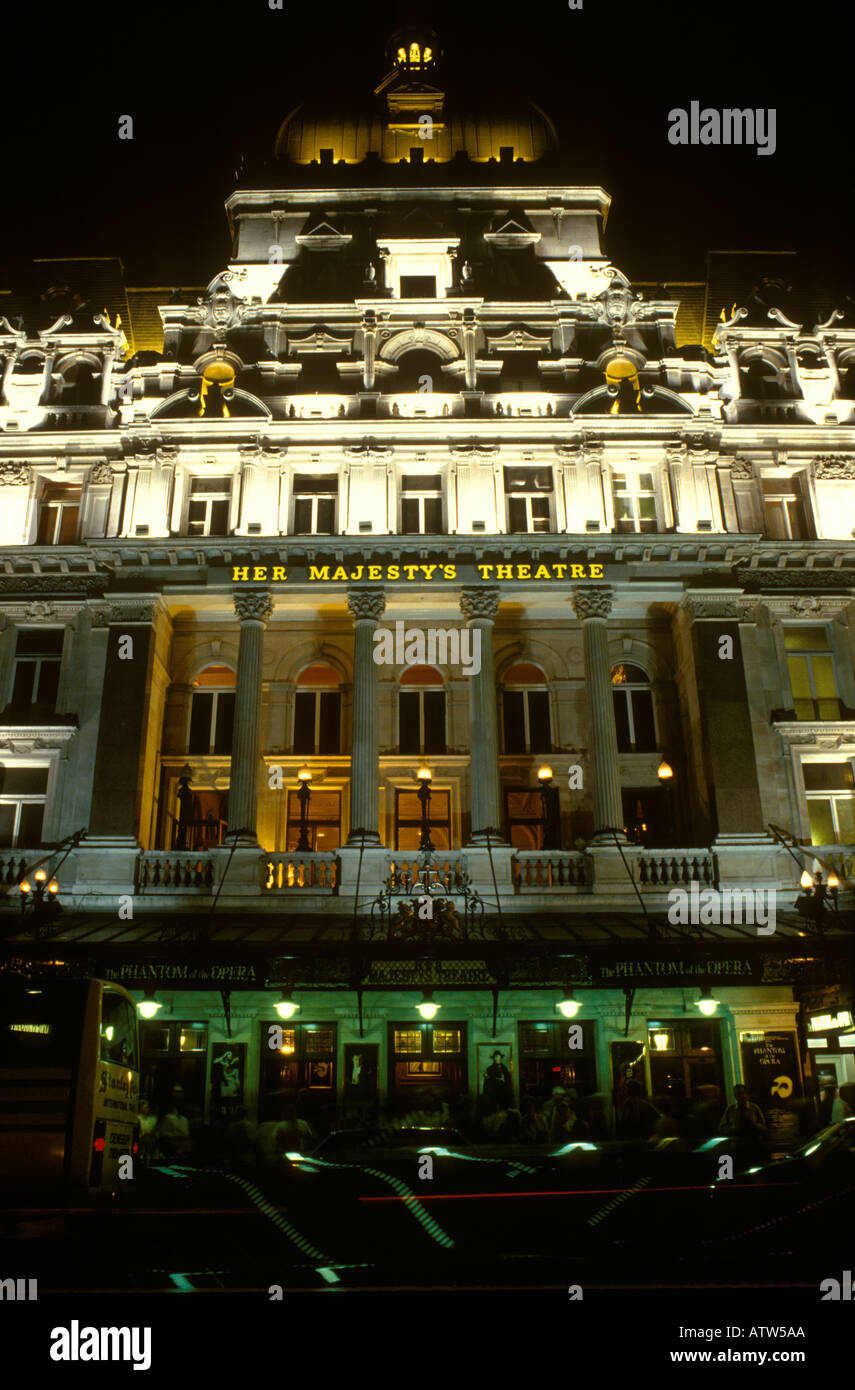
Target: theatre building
<point x="391" y="623"/>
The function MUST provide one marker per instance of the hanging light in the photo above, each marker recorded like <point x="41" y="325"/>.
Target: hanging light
<point x="149" y="1004"/>
<point x="568" y="1006"/>
<point x="286" y="1008"/>
<point x="706" y="1003"/>
<point x="664" y="771"/>
<point x="427" y="1008"/>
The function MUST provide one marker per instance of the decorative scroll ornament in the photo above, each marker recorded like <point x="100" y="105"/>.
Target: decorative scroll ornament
<point x="741" y="468"/>
<point x="366" y="604"/>
<point x="593" y="602"/>
<point x="101" y="473"/>
<point x="479" y="603"/>
<point x="13" y="474"/>
<point x="834" y="466"/>
<point x="254" y="607"/>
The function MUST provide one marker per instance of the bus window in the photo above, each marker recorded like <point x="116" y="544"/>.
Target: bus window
<point x="41" y="1023"/>
<point x="118" y="1030"/>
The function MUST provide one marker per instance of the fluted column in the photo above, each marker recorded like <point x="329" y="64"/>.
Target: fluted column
<point x="592" y="606"/>
<point x="253" y="610"/>
<point x="367" y="607"/>
<point x="479" y="607"/>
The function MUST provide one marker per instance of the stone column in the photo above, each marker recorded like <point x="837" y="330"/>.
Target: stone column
<point x="253" y="610"/>
<point x="367" y="607"/>
<point x="592" y="606"/>
<point x="479" y="607"/>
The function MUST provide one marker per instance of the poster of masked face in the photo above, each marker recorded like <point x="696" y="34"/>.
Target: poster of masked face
<point x="228" y="1065"/>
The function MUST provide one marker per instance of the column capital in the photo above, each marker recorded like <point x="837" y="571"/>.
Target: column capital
<point x="479" y="603"/>
<point x="594" y="601"/>
<point x="366" y="603"/>
<point x="256" y="606"/>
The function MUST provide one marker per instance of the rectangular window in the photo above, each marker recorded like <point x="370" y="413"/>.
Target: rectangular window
<point x="527" y="828"/>
<point x="830" y="791"/>
<point x="323" y="822"/>
<point x="547" y="1061"/>
<point x="212" y="717"/>
<point x="418" y="287"/>
<point x="526" y="721"/>
<point x="408" y="820"/>
<point x="636" y="731"/>
<point x="317" y="722"/>
<point x="172" y="1072"/>
<point x="314" y="505"/>
<point x="784" y="509"/>
<point x="528" y="494"/>
<point x="635" y="502"/>
<point x="38" y="655"/>
<point x="422" y="721"/>
<point x="300" y="1078"/>
<point x="811" y="670"/>
<point x="22" y="805"/>
<point x="59" y="514"/>
<point x="426" y="1061"/>
<point x="208" y="508"/>
<point x="421" y="507"/>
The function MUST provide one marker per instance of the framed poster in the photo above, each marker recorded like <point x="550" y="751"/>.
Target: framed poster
<point x="228" y="1068"/>
<point x="320" y="1076"/>
<point x="361" y="1063"/>
<point x="495" y="1075"/>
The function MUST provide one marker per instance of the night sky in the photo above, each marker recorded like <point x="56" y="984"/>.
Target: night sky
<point x="205" y="84"/>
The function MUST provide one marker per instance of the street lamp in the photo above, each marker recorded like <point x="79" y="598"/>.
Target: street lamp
<point x="304" y="796"/>
<point x="664" y="771"/>
<point x="544" y="777"/>
<point x="815" y="900"/>
<point x="39" y="898"/>
<point x="424" y="779"/>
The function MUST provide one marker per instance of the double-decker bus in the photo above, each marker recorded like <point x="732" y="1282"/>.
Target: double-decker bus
<point x="69" y="1086"/>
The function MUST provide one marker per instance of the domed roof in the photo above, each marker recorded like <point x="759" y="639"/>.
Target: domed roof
<point x="411" y="119"/>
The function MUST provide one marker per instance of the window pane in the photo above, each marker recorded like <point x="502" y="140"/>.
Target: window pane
<point x="118" y="1030"/>
<point x="304" y="721"/>
<point x="410" y="516"/>
<point x="210" y="485"/>
<point x="800" y="677"/>
<point x="330" y="731"/>
<point x="446" y="1039"/>
<point x="326" y="516"/>
<point x="645" y="482"/>
<point x="823" y="675"/>
<point x="409" y="807"/>
<point x="642" y="716"/>
<point x="48" y="684"/>
<point x="827" y="776"/>
<point x="7" y="824"/>
<point x="408" y="712"/>
<point x="302" y="517"/>
<point x="434" y="708"/>
<point x="538" y="721"/>
<point x="25" y="675"/>
<point x="422" y="482"/>
<point x="512" y="705"/>
<point x="622" y="720"/>
<point x="647" y="508"/>
<point x="805" y="639"/>
<point x="200" y="723"/>
<point x="26" y="781"/>
<point x="68" y="525"/>
<point x="845" y="807"/>
<point x="315" y="485"/>
<point x="39" y="642"/>
<point x="433" y="516"/>
<point x="30" y="829"/>
<point x="821" y="824"/>
<point x="219" y="519"/>
<point x="225" y="722"/>
<point x="517" y="516"/>
<point x="408" y="1041"/>
<point x="776" y="525"/>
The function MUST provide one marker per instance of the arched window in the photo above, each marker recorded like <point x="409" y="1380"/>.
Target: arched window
<point x="525" y="707"/>
<point x="633" y="705"/>
<point x="421" y="711"/>
<point x="212" y="712"/>
<point x="317" y="711"/>
<point x="414" y="53"/>
<point x="759" y="380"/>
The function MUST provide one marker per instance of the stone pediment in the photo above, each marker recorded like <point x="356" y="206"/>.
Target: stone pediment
<point x="512" y="236"/>
<point x="324" y="237"/>
<point x="520" y="340"/>
<point x="319" y="341"/>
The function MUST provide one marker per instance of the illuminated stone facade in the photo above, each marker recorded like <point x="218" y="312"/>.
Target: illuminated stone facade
<point x="420" y="393"/>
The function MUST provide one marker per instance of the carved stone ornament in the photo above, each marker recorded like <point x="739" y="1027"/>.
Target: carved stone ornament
<point x="741" y="468"/>
<point x="367" y="604"/>
<point x="479" y="603"/>
<point x="593" y="602"/>
<point x="13" y="474"/>
<point x="39" y="612"/>
<point x="101" y="473"/>
<point x="834" y="466"/>
<point x="806" y="605"/>
<point x="368" y="449"/>
<point x="255" y="607"/>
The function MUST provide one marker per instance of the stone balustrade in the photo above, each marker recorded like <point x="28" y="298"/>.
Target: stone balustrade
<point x="536" y="871"/>
<point x="317" y="873"/>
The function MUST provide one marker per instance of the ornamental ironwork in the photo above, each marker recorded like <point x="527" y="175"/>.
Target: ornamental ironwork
<point x="424" y="901"/>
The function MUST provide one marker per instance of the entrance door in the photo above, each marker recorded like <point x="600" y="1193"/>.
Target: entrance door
<point x="427" y="1071"/>
<point x="685" y="1054"/>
